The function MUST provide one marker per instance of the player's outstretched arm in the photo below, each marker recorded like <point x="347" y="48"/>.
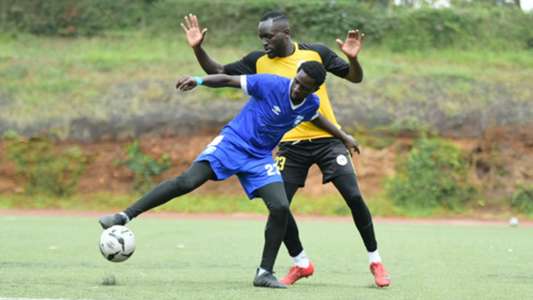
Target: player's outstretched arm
<point x="346" y="139"/>
<point x="195" y="36"/>
<point x="215" y="81"/>
<point x="351" y="48"/>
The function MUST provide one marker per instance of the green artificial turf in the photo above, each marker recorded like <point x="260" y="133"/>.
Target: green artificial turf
<point x="210" y="258"/>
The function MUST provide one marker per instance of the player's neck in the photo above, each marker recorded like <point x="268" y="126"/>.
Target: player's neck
<point x="289" y="50"/>
<point x="296" y="102"/>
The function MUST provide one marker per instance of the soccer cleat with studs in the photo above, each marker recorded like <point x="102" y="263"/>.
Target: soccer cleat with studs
<point x="267" y="280"/>
<point x="296" y="273"/>
<point x="111" y="220"/>
<point x="381" y="276"/>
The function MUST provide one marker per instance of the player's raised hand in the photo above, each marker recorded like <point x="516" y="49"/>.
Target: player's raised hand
<point x="353" y="43"/>
<point x="351" y="144"/>
<point x="186" y="84"/>
<point x="194" y="33"/>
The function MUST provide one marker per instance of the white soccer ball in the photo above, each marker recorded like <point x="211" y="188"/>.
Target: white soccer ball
<point x="117" y="243"/>
<point x="513" y="222"/>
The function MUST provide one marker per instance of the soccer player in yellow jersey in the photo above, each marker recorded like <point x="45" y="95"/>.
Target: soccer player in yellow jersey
<point x="306" y="144"/>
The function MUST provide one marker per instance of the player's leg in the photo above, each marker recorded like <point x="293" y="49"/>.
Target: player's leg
<point x="335" y="163"/>
<point x="302" y="266"/>
<point x="347" y="185"/>
<point x="294" y="161"/>
<point x="348" y="188"/>
<point x="195" y="176"/>
<point x="292" y="236"/>
<point x="276" y="201"/>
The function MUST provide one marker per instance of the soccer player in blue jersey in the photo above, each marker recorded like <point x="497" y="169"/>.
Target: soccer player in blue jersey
<point x="244" y="148"/>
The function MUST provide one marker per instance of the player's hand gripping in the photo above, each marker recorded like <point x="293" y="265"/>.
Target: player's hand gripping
<point x="351" y="144"/>
<point x="353" y="43"/>
<point x="186" y="84"/>
<point x="194" y="33"/>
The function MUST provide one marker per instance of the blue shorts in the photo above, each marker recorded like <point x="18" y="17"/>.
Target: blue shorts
<point x="227" y="159"/>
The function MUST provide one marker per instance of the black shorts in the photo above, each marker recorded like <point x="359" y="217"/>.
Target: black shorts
<point x="295" y="158"/>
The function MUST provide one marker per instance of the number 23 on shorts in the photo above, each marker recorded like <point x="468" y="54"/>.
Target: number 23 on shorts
<point x="280" y="161"/>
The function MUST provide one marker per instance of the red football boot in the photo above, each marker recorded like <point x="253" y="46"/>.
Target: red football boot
<point x="296" y="273"/>
<point x="381" y="276"/>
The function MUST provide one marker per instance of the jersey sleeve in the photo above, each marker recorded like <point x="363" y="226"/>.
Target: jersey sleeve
<point x="246" y="65"/>
<point x="258" y="85"/>
<point x="331" y="61"/>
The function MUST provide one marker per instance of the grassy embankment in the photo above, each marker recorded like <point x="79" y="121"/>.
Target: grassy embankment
<point x="63" y="78"/>
<point x="48" y="77"/>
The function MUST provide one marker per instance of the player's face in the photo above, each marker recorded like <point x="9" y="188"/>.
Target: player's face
<point x="302" y="86"/>
<point x="274" y="37"/>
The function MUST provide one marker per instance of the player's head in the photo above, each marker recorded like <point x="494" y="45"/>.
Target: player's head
<point x="309" y="77"/>
<point x="273" y="30"/>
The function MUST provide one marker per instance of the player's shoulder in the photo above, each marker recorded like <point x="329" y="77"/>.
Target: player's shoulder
<point x="254" y="56"/>
<point x="267" y="81"/>
<point x="315" y="100"/>
<point x="318" y="47"/>
<point x="269" y="77"/>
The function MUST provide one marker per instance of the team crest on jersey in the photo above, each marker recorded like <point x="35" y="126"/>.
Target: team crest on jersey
<point x="276" y="110"/>
<point x="298" y="120"/>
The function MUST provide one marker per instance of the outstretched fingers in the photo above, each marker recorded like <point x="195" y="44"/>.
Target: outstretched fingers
<point x="194" y="20"/>
<point x="355" y="34"/>
<point x="184" y="27"/>
<point x="188" y="22"/>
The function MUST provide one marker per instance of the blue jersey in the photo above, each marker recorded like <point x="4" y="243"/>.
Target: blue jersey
<point x="244" y="147"/>
<point x="268" y="114"/>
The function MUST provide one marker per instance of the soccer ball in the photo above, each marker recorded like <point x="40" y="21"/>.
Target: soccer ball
<point x="117" y="243"/>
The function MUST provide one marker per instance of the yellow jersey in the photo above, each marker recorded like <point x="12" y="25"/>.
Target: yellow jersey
<point x="258" y="62"/>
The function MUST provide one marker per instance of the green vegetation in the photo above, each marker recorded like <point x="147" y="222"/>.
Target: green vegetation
<point x="400" y="28"/>
<point x="433" y="175"/>
<point x="191" y="259"/>
<point x="144" y="167"/>
<point x="43" y="168"/>
<point x="522" y="199"/>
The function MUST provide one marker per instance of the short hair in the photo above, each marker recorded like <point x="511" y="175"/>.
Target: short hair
<point x="315" y="70"/>
<point x="275" y="16"/>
